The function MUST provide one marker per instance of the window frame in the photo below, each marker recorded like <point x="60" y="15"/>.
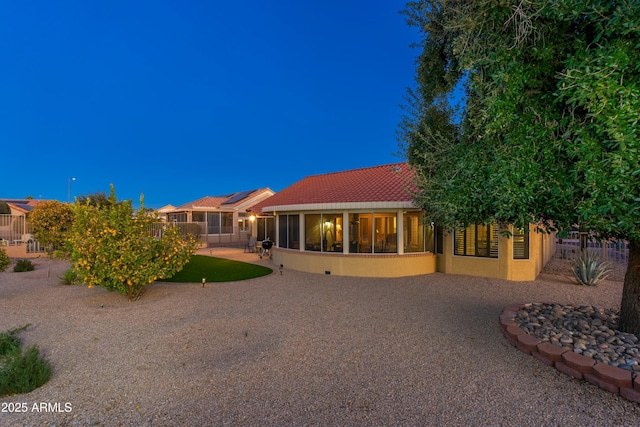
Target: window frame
<point x="289" y="231"/>
<point x="521" y="233"/>
<point x="477" y="240"/>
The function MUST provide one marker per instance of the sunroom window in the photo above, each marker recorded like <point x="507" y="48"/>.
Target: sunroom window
<point x="360" y="236"/>
<point x="373" y="233"/>
<point x="323" y="232"/>
<point x="418" y="235"/>
<point x="385" y="234"/>
<point x="289" y="231"/>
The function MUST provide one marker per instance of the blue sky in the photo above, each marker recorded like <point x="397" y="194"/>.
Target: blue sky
<point x="184" y="99"/>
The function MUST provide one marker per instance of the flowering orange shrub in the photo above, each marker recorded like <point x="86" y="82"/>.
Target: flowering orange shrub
<point x="51" y="222"/>
<point x="114" y="247"/>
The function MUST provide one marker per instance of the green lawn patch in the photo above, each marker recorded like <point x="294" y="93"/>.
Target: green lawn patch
<point x="217" y="270"/>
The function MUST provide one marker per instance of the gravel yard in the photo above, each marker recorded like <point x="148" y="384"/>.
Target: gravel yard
<point x="297" y="349"/>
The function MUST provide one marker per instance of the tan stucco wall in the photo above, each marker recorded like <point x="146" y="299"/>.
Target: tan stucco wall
<point x="20" y="251"/>
<point x="541" y="249"/>
<point x="356" y="264"/>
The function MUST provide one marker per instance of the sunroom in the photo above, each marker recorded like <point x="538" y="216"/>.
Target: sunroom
<point x="355" y="223"/>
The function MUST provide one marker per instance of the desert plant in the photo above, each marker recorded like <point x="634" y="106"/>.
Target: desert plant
<point x="20" y="373"/>
<point x="23" y="265"/>
<point x="5" y="261"/>
<point x="589" y="269"/>
<point x="69" y="277"/>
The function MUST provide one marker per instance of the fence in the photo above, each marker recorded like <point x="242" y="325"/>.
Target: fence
<point x="186" y="228"/>
<point x="15" y="230"/>
<point x="614" y="251"/>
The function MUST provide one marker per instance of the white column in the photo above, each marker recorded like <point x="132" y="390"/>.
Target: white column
<point x="345" y="232"/>
<point x="303" y="229"/>
<point x="400" y="231"/>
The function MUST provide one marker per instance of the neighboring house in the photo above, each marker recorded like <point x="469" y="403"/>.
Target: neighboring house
<point x="364" y="222"/>
<point x="223" y="220"/>
<point x="163" y="211"/>
<point x="15" y="232"/>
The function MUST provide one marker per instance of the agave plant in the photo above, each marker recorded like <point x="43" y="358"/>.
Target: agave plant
<point x="589" y="269"/>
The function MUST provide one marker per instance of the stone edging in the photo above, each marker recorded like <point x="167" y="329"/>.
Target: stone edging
<point x="605" y="376"/>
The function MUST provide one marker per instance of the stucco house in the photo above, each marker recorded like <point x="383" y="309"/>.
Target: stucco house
<point x="223" y="220"/>
<point x="15" y="231"/>
<point x="163" y="211"/>
<point x="363" y="222"/>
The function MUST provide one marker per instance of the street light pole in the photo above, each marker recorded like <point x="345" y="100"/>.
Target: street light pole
<point x="69" y="190"/>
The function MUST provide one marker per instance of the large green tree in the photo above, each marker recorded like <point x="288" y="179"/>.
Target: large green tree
<point x="548" y="130"/>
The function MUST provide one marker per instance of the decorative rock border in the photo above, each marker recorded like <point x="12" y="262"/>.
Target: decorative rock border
<point x="605" y="376"/>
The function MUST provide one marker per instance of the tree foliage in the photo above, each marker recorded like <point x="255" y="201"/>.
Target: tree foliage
<point x="94" y="199"/>
<point x="4" y="208"/>
<point x="5" y="261"/>
<point x="549" y="129"/>
<point x="51" y="222"/>
<point x="117" y="248"/>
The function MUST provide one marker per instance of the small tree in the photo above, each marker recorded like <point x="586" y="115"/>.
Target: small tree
<point x="115" y="248"/>
<point x="5" y="261"/>
<point x="51" y="222"/>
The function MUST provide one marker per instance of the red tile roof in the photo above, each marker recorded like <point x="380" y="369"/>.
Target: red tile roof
<point x="386" y="183"/>
<point x="228" y="201"/>
<point x="204" y="202"/>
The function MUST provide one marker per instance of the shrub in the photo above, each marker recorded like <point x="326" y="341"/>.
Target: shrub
<point x="23" y="265"/>
<point x="589" y="269"/>
<point x="25" y="372"/>
<point x="69" y="277"/>
<point x="51" y="222"/>
<point x="5" y="261"/>
<point x="9" y="342"/>
<point x="20" y="373"/>
<point x="114" y="247"/>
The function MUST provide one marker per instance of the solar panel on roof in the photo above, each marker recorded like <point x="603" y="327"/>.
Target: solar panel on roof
<point x="237" y="197"/>
<point x="24" y="206"/>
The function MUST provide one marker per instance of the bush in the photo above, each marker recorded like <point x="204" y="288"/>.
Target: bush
<point x="23" y="265"/>
<point x="5" y="261"/>
<point x="9" y="342"/>
<point x="589" y="269"/>
<point x="20" y="373"/>
<point x="69" y="277"/>
<point x="115" y="247"/>
<point x="52" y="222"/>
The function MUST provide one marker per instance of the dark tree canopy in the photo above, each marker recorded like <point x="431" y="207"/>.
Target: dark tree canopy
<point x="548" y="133"/>
<point x="94" y="199"/>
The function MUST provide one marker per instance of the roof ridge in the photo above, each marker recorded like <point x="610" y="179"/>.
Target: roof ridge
<point x="358" y="169"/>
